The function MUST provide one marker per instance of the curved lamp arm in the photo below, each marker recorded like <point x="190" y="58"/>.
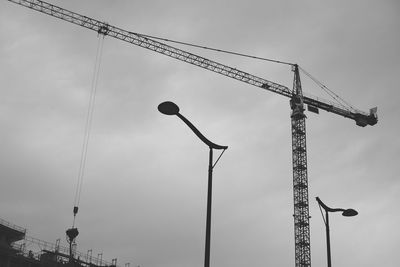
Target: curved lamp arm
<point x="325" y="207"/>
<point x="345" y="212"/>
<point x="170" y="108"/>
<point x="199" y="134"/>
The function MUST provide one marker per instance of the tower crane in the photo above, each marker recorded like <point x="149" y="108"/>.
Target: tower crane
<point x="298" y="101"/>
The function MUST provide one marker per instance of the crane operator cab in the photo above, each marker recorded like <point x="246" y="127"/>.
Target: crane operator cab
<point x="297" y="106"/>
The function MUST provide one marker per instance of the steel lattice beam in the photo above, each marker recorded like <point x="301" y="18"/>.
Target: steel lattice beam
<point x="300" y="179"/>
<point x="362" y="118"/>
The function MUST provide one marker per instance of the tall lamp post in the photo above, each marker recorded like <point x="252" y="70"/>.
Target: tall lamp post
<point x="170" y="108"/>
<point x="345" y="212"/>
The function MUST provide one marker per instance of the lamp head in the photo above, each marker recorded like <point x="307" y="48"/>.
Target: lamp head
<point x="349" y="213"/>
<point x="168" y="108"/>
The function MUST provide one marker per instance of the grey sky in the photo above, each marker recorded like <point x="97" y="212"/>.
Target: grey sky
<point x="144" y="191"/>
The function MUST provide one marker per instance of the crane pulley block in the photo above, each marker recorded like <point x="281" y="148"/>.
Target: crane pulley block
<point x="72" y="233"/>
<point x="75" y="210"/>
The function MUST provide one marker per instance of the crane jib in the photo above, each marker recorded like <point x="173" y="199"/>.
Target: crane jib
<point x="361" y="118"/>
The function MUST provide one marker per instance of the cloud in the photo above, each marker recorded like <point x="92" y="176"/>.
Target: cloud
<point x="143" y="198"/>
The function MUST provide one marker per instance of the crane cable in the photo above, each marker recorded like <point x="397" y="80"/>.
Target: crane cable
<point x="332" y="94"/>
<point x="88" y="126"/>
<point x="215" y="49"/>
<point x="336" y="97"/>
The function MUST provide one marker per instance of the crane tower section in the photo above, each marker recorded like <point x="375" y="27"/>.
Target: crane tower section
<point x="300" y="179"/>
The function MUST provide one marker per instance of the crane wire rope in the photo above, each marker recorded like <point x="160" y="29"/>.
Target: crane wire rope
<point x="336" y="97"/>
<point x="215" y="49"/>
<point x="332" y="94"/>
<point x="88" y="125"/>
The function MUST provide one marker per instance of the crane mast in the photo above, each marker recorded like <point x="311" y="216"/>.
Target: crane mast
<point x="300" y="180"/>
<point x="298" y="100"/>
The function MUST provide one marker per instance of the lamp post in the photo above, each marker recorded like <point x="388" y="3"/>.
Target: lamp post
<point x="345" y="212"/>
<point x="170" y="108"/>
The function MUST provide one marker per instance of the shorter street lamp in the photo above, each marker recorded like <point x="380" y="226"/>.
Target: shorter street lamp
<point x="170" y="108"/>
<point x="345" y="212"/>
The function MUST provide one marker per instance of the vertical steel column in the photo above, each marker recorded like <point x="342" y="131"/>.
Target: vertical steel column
<point x="300" y="180"/>
<point x="208" y="218"/>
<point x="328" y="239"/>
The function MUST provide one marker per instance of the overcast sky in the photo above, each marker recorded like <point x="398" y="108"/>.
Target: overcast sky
<point x="144" y="190"/>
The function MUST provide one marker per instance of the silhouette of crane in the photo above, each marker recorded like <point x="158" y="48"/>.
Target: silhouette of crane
<point x="298" y="100"/>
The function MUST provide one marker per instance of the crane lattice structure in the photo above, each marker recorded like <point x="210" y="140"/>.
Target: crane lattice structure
<point x="298" y="100"/>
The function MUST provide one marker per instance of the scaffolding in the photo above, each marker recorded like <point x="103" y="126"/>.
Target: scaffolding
<point x="14" y="243"/>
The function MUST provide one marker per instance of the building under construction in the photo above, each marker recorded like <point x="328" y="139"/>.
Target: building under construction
<point x="19" y="250"/>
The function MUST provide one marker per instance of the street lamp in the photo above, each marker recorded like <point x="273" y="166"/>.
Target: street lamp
<point x="170" y="108"/>
<point x="345" y="212"/>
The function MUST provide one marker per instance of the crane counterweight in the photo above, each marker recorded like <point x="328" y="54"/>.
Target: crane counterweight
<point x="364" y="120"/>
